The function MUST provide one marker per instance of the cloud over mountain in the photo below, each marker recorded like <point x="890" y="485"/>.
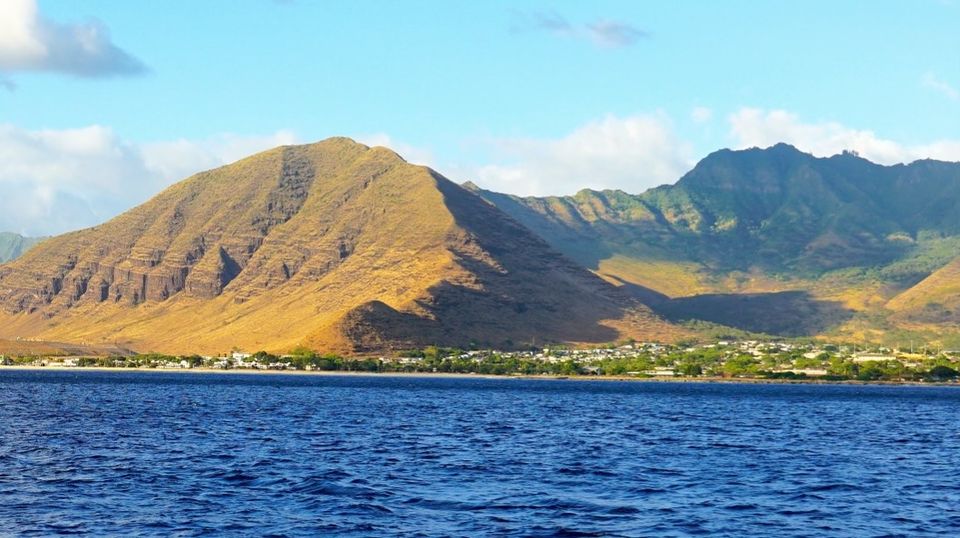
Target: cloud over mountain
<point x="58" y="180"/>
<point x="633" y="153"/>
<point x="755" y="127"/>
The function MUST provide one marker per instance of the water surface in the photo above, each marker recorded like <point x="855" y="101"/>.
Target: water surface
<point x="163" y="454"/>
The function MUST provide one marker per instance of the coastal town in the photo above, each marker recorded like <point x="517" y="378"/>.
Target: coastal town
<point x="748" y="359"/>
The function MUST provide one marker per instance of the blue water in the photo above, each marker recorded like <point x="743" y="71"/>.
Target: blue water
<point x="180" y="454"/>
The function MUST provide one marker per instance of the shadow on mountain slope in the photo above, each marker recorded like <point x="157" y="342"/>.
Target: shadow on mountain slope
<point x="494" y="320"/>
<point x="785" y="313"/>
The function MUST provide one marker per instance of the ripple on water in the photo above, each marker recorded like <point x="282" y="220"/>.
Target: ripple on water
<point x="157" y="454"/>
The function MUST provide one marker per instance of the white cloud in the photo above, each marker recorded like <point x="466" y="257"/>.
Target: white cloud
<point x="30" y="42"/>
<point x="631" y="153"/>
<point x="58" y="180"/>
<point x="932" y="82"/>
<point x="753" y="127"/>
<point x="701" y="114"/>
<point x="639" y="152"/>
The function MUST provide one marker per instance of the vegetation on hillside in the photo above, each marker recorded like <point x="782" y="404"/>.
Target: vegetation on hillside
<point x="848" y="233"/>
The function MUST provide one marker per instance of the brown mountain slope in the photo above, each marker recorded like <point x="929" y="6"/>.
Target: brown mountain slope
<point x="333" y="244"/>
<point x="934" y="300"/>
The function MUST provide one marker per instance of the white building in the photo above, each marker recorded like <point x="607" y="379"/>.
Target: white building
<point x="872" y="357"/>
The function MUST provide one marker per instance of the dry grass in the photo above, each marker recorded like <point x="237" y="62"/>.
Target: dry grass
<point x="943" y="287"/>
<point x="293" y="246"/>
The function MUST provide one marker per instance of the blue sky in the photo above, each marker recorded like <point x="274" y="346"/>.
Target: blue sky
<point x="523" y="97"/>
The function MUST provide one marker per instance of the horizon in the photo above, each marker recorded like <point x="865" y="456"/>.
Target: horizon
<point x="526" y="99"/>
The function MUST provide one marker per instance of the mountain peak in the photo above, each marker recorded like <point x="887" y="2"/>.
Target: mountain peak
<point x="334" y="244"/>
<point x="785" y="147"/>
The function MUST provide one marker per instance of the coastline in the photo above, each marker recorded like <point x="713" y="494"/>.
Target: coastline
<point x="451" y="375"/>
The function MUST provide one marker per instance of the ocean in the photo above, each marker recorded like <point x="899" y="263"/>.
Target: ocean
<point x="180" y="454"/>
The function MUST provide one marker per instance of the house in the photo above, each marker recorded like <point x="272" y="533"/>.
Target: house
<point x="860" y="358"/>
<point x="809" y="372"/>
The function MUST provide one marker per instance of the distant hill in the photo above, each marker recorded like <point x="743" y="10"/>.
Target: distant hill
<point x="334" y="245"/>
<point x="12" y="245"/>
<point x="934" y="300"/>
<point x="847" y="233"/>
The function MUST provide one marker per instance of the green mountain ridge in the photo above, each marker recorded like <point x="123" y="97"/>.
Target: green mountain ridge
<point x="12" y="245"/>
<point x="846" y="233"/>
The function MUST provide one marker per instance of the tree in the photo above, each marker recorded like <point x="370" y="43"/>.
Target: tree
<point x="568" y="367"/>
<point x="740" y="365"/>
<point x="870" y="371"/>
<point x="264" y="357"/>
<point x="690" y="369"/>
<point x="842" y="368"/>
<point x="942" y="373"/>
<point x="195" y="361"/>
<point x="303" y="352"/>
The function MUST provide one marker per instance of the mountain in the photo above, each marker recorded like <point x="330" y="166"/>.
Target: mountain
<point x="334" y="245"/>
<point x="841" y="235"/>
<point x="934" y="300"/>
<point x="12" y="245"/>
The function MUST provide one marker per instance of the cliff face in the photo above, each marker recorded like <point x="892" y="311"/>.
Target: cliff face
<point x="333" y="244"/>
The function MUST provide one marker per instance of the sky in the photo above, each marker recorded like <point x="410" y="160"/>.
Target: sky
<point x="105" y="103"/>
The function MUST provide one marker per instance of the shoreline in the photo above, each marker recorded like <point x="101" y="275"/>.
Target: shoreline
<point x="452" y="375"/>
